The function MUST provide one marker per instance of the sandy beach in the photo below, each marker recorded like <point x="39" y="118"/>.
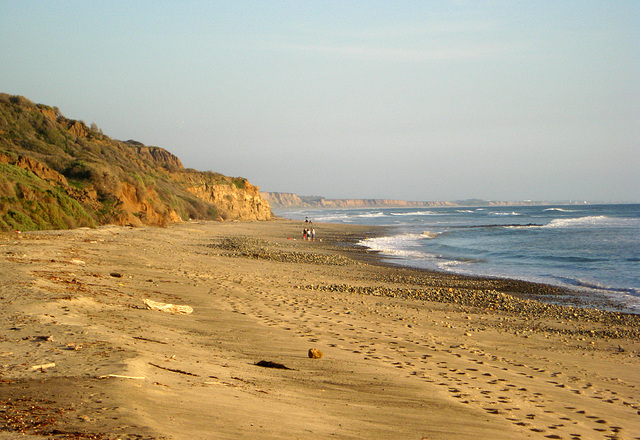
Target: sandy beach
<point x="406" y="354"/>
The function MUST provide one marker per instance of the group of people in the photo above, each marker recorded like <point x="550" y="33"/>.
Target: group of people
<point x="308" y="233"/>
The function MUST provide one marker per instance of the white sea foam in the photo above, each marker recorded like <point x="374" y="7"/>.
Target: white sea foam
<point x="333" y="217"/>
<point x="594" y="221"/>
<point x="505" y="213"/>
<point x="393" y="241"/>
<point x="449" y="265"/>
<point x="371" y="215"/>
<point x="402" y="245"/>
<point x="415" y="213"/>
<point x="559" y="210"/>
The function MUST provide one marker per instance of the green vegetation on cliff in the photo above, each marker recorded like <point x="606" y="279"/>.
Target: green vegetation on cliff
<point x="27" y="203"/>
<point x="58" y="173"/>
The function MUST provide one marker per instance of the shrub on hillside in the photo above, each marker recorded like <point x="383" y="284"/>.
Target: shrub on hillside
<point x="78" y="170"/>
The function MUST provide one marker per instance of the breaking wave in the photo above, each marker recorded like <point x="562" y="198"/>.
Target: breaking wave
<point x="590" y="221"/>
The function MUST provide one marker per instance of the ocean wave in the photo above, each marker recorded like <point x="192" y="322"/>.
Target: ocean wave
<point x="393" y="251"/>
<point x="393" y="241"/>
<point x="528" y="225"/>
<point x="316" y="216"/>
<point x="590" y="221"/>
<point x="594" y="285"/>
<point x="415" y="213"/>
<point x="402" y="245"/>
<point x="572" y="259"/>
<point x="505" y="213"/>
<point x="449" y="265"/>
<point x="511" y="225"/>
<point x="329" y="218"/>
<point x="371" y="215"/>
<point x="560" y="210"/>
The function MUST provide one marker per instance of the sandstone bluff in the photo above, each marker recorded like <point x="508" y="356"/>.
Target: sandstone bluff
<point x="58" y="173"/>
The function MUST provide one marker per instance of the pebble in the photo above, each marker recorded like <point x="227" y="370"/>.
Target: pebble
<point x="314" y="353"/>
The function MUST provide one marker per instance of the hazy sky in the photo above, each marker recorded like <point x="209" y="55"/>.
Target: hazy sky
<point x="415" y="100"/>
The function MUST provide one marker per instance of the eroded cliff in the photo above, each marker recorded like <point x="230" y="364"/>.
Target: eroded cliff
<point x="57" y="172"/>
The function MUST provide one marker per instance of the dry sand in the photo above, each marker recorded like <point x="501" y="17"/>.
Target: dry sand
<point x="81" y="355"/>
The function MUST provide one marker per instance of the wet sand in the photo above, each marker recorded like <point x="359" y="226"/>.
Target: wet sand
<point x="406" y="354"/>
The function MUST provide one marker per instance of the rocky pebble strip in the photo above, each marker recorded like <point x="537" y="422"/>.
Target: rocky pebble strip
<point x="614" y="324"/>
<point x="259" y="249"/>
<point x="519" y="289"/>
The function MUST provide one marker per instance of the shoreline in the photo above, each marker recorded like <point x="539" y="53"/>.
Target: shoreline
<point x="407" y="353"/>
<point x="520" y="288"/>
<point x="558" y="294"/>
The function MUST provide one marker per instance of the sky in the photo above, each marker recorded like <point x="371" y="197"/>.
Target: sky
<point x="412" y="100"/>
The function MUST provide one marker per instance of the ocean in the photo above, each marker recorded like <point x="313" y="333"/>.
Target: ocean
<point x="592" y="249"/>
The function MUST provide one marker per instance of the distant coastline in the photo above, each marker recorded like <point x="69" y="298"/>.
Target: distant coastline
<point x="292" y="200"/>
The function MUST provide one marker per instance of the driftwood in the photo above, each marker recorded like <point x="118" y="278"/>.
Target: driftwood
<point x="173" y="370"/>
<point x="170" y="308"/>
<point x="269" y="364"/>
<point x="106" y="376"/>
<point x="149" y="340"/>
<point x="43" y="366"/>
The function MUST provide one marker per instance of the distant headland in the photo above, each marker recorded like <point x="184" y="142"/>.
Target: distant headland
<point x="291" y="200"/>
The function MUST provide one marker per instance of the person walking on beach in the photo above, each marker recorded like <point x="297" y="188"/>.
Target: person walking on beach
<point x="313" y="234"/>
